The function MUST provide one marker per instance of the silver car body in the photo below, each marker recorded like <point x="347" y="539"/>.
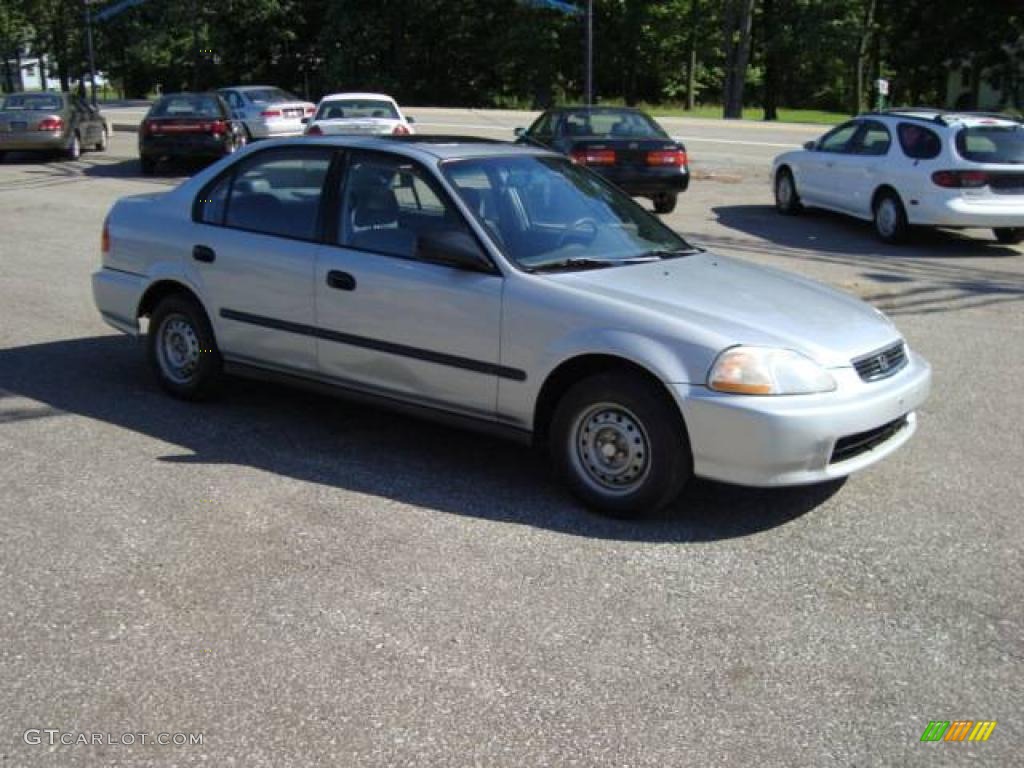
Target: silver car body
<point x="266" y="119"/>
<point x="481" y="347"/>
<point x="388" y="117"/>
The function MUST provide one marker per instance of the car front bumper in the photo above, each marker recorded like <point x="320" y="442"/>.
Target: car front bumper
<point x="963" y="211"/>
<point x="791" y="440"/>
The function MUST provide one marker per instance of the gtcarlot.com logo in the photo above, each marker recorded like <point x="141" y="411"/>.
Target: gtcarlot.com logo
<point x="958" y="730"/>
<point x="55" y="737"/>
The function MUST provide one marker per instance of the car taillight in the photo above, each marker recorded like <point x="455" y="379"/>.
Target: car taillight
<point x="270" y="113"/>
<point x="150" y="128"/>
<point x="310" y="110"/>
<point x="593" y="156"/>
<point x="50" y="124"/>
<point x="675" y="157"/>
<point x="400" y="130"/>
<point x="314" y="130"/>
<point x="217" y="127"/>
<point x="960" y="179"/>
<point x="105" y="239"/>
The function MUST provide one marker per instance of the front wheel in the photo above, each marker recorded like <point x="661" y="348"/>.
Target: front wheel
<point x="1009" y="235"/>
<point x="182" y="350"/>
<point x="101" y="145"/>
<point x="620" y="444"/>
<point x="665" y="203"/>
<point x="891" y="218"/>
<point x="787" y="201"/>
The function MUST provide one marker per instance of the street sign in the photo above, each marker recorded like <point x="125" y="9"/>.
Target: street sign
<point x="882" y="86"/>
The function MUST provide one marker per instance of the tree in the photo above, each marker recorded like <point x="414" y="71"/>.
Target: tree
<point x="737" y="18"/>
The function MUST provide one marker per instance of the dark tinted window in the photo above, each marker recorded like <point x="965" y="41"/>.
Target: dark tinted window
<point x="338" y="109"/>
<point x="612" y="123"/>
<point x="544" y="125"/>
<point x="874" y="139"/>
<point x="389" y="203"/>
<point x="918" y="142"/>
<point x="187" y="105"/>
<point x="838" y="140"/>
<point x="992" y="143"/>
<point x="277" y="192"/>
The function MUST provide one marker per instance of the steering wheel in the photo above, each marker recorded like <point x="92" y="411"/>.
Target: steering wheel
<point x="575" y="229"/>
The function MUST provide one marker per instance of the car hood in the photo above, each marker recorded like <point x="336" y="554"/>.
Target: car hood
<point x="729" y="301"/>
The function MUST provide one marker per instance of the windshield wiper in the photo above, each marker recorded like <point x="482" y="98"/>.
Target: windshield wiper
<point x="575" y="262"/>
<point x="659" y="254"/>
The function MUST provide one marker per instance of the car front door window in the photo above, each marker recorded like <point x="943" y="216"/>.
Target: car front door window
<point x="839" y="140"/>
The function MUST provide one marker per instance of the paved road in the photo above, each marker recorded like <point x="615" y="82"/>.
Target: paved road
<point x="309" y="583"/>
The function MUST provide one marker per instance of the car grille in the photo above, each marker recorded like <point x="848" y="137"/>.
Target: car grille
<point x="881" y="364"/>
<point x="862" y="442"/>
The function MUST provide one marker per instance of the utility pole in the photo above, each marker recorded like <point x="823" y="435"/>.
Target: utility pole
<point x="589" y="83"/>
<point x="92" y="56"/>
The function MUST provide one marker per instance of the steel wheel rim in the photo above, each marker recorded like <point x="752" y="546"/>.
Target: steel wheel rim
<point x="178" y="349"/>
<point x="784" y="191"/>
<point x="610" y="449"/>
<point x="887" y="217"/>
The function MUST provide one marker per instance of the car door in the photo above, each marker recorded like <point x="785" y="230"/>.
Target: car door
<point x="860" y="171"/>
<point x="254" y="254"/>
<point x="816" y="177"/>
<point x="391" y="320"/>
<point x="82" y="122"/>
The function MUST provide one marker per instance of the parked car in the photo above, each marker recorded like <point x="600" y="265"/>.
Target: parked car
<point x="373" y="114"/>
<point x="267" y="112"/>
<point x="624" y="145"/>
<point x="912" y="167"/>
<point x="188" y="126"/>
<point x="507" y="288"/>
<point x="50" y="122"/>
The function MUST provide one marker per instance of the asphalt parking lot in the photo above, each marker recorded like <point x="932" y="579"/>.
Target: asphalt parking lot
<point x="306" y="582"/>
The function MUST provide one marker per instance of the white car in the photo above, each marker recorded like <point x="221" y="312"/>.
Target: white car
<point x="267" y="112"/>
<point x="912" y="167"/>
<point x="366" y="114"/>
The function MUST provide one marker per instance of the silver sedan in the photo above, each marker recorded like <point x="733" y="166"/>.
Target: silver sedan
<point x="507" y="289"/>
<point x="267" y="112"/>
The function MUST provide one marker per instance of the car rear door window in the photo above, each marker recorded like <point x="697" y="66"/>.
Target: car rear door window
<point x="918" y="142"/>
<point x="839" y="140"/>
<point x="277" y="192"/>
<point x="874" y="139"/>
<point x="389" y="202"/>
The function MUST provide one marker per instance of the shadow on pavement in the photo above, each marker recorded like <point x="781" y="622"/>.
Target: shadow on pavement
<point x="323" y="440"/>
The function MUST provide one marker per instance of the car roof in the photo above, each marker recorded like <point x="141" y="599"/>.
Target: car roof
<point x="424" y="148"/>
<point x="250" y="88"/>
<point x="940" y="117"/>
<point x="356" y="95"/>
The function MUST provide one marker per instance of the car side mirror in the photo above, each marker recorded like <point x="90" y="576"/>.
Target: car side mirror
<point x="519" y="131"/>
<point x="410" y="119"/>
<point x="810" y="146"/>
<point x="305" y="121"/>
<point x="453" y="249"/>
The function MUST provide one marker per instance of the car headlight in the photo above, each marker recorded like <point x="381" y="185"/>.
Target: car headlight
<point x="768" y="371"/>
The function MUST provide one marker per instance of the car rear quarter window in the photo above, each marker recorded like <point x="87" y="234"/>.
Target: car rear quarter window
<point x="918" y="142"/>
<point x="992" y="143"/>
<point x="276" y="192"/>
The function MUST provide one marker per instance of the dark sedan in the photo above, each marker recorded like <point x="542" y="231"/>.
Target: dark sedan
<point x="188" y="126"/>
<point x="624" y="145"/>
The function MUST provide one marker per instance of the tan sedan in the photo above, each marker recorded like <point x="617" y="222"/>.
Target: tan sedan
<point x="50" y="122"/>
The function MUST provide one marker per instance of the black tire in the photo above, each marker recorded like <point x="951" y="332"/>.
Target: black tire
<point x="665" y="203"/>
<point x="182" y="349"/>
<point x="890" y="218"/>
<point x="74" y="148"/>
<point x="1009" y="235"/>
<point x="148" y="165"/>
<point x="620" y="411"/>
<point x="2" y="156"/>
<point x="787" y="199"/>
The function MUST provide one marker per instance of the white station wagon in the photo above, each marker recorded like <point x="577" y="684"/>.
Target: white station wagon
<point x="506" y="288"/>
<point x="912" y="167"/>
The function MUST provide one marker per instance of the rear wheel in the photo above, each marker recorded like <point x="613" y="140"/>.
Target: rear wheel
<point x="891" y="218"/>
<point x="665" y="202"/>
<point x="787" y="200"/>
<point x="1009" y="235"/>
<point x="74" y="149"/>
<point x="182" y="349"/>
<point x="620" y="444"/>
<point x="148" y="165"/>
<point x="2" y="156"/>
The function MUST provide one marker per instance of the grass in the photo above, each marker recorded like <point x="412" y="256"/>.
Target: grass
<point x="713" y="111"/>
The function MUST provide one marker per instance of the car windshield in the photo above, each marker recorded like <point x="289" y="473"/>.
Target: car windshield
<point x="340" y="109"/>
<point x="612" y="123"/>
<point x="187" y="105"/>
<point x="32" y="102"/>
<point x="269" y="96"/>
<point x="992" y="143"/>
<point x="548" y="213"/>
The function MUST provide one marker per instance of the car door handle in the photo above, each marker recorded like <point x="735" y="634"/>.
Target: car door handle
<point x="204" y="253"/>
<point x="343" y="281"/>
